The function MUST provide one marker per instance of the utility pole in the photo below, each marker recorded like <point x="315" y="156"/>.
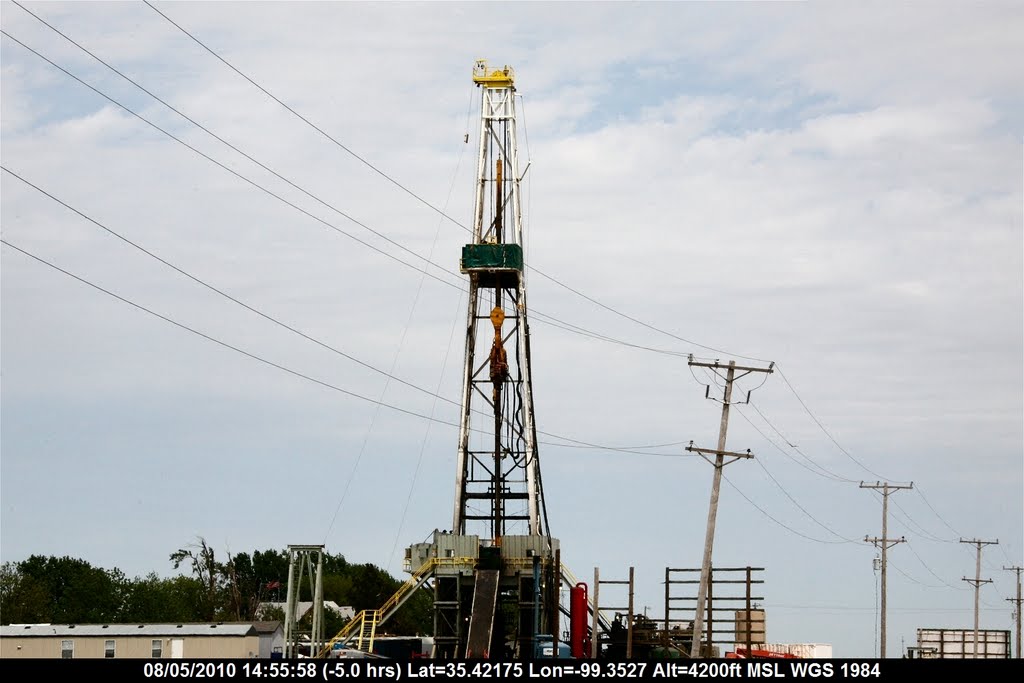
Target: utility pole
<point x="720" y="454"/>
<point x="1016" y="602"/>
<point x="884" y="543"/>
<point x="976" y="582"/>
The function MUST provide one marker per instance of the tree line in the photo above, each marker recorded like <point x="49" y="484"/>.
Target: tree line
<point x="66" y="590"/>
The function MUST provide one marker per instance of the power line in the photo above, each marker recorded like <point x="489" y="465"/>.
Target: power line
<point x="363" y="225"/>
<point x="441" y="212"/>
<point x="853" y="608"/>
<point x="765" y="513"/>
<point x="925" y="565"/>
<point x="802" y="509"/>
<point x="534" y="269"/>
<point x="564" y="325"/>
<point x="225" y="344"/>
<point x="227" y="296"/>
<point x="574" y="443"/>
<point x="921" y="493"/>
<point x="911" y="578"/>
<point x="910" y="521"/>
<point x="828" y="473"/>
<point x="423" y="444"/>
<point x="822" y="473"/>
<point x="641" y="322"/>
<point x="268" y="362"/>
<point x="384" y="389"/>
<point x="425" y="202"/>
<point x="235" y="173"/>
<point x="822" y="427"/>
<point x="228" y="144"/>
<point x="628" y="451"/>
<point x="582" y="331"/>
<point x="307" y="121"/>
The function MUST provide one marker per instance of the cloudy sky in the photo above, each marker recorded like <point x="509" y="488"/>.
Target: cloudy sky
<point x="835" y="188"/>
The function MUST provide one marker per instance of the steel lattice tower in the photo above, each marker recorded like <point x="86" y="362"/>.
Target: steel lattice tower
<point x="496" y="574"/>
<point x="498" y="485"/>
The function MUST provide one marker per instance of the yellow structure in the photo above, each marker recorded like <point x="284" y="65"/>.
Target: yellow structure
<point x="494" y="78"/>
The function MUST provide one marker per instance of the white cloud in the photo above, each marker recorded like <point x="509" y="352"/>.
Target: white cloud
<point x="828" y="187"/>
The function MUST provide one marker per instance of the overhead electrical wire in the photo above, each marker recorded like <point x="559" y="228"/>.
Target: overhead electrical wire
<point x="634" y="448"/>
<point x="235" y="173"/>
<point x="801" y="507"/>
<point x="231" y="146"/>
<point x="924" y="533"/>
<point x="543" y="318"/>
<point x="533" y="269"/>
<point x="303" y="118"/>
<point x="133" y="113"/>
<point x="439" y="211"/>
<point x="823" y="429"/>
<point x="911" y="578"/>
<point x="384" y="389"/>
<point x="260" y="359"/>
<point x="1006" y="554"/>
<point x="577" y="443"/>
<point x="540" y="315"/>
<point x="930" y="571"/>
<point x="920" y="492"/>
<point x="824" y="472"/>
<point x="864" y="609"/>
<point x="226" y="295"/>
<point x="783" y="525"/>
<point x="577" y="329"/>
<point x="716" y="376"/>
<point x="318" y="199"/>
<point x="776" y="481"/>
<point x="424" y="201"/>
<point x="423" y="448"/>
<point x="394" y="364"/>
<point x="224" y="344"/>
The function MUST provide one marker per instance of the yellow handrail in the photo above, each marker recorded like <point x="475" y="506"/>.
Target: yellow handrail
<point x="376" y="616"/>
<point x="486" y="76"/>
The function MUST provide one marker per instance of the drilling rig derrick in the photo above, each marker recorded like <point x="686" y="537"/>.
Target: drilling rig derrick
<point x="496" y="573"/>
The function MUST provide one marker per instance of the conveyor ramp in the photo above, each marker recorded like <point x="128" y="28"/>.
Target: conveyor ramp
<point x="481" y="623"/>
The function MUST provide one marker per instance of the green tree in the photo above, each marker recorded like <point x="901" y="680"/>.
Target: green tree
<point x="68" y="590"/>
<point x="215" y="600"/>
<point x="153" y="599"/>
<point x="23" y="599"/>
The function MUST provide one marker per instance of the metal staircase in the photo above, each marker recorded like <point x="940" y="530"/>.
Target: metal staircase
<point x="363" y="626"/>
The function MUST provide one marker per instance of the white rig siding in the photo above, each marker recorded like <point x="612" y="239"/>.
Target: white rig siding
<point x="957" y="643"/>
<point x="802" y="650"/>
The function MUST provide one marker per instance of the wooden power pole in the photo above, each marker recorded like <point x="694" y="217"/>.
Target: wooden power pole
<point x="1016" y="603"/>
<point x="720" y="454"/>
<point x="977" y="581"/>
<point x="884" y="543"/>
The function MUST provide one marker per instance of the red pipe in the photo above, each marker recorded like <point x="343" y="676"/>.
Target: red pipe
<point x="578" y="613"/>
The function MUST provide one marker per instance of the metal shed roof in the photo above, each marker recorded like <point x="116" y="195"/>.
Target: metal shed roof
<point x="127" y="630"/>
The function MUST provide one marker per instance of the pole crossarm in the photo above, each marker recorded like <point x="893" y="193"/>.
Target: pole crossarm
<point x="886" y="486"/>
<point x="697" y="364"/>
<point x="975" y="582"/>
<point x="704" y="452"/>
<point x="890" y="542"/>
